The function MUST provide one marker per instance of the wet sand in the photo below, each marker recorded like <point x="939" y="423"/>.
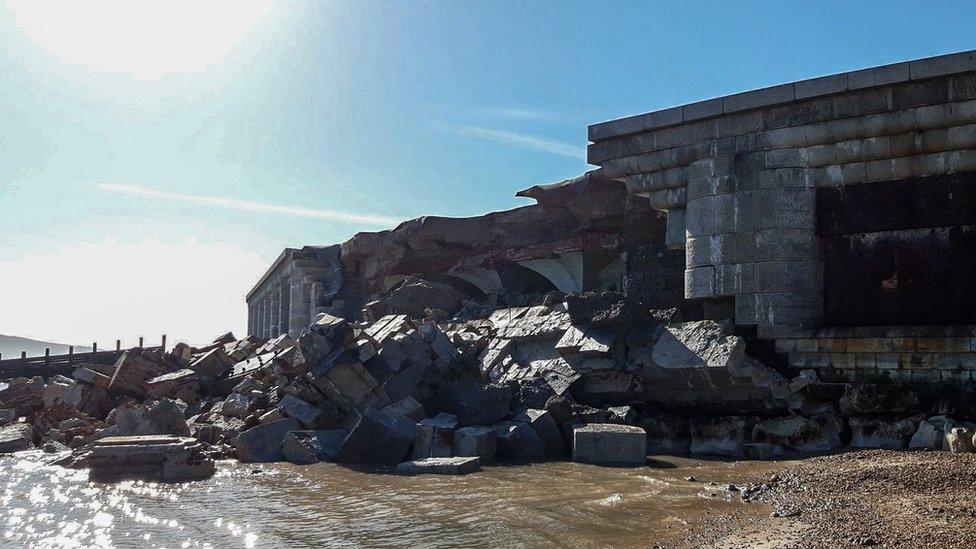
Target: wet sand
<point x="565" y="504"/>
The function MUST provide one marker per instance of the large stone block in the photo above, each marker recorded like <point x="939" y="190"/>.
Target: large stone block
<point x="476" y="441"/>
<point x="666" y="434"/>
<point x="435" y="436"/>
<point x="15" y="437"/>
<point x="882" y="433"/>
<point x="519" y="441"/>
<point x="378" y="437"/>
<point x="808" y="435"/>
<point x="474" y="403"/>
<point x="720" y="436"/>
<point x="263" y="442"/>
<point x="547" y="429"/>
<point x="606" y="443"/>
<point x="311" y="416"/>
<point x="303" y="447"/>
<point x="698" y="344"/>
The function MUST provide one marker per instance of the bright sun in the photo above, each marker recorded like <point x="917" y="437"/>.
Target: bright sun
<point x="147" y="39"/>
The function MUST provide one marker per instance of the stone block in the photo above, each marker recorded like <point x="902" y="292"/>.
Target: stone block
<point x="518" y="441"/>
<point x="474" y="403"/>
<point x="263" y="442"/>
<point x="675" y="229"/>
<point x="378" y="437"/>
<point x="303" y="447"/>
<point x="181" y="384"/>
<point x="824" y="85"/>
<point x="547" y="429"/>
<point x="882" y="433"/>
<point x="407" y="406"/>
<point x="435" y="436"/>
<point x="702" y="109"/>
<point x="213" y="364"/>
<point x="942" y="65"/>
<point x="758" y="98"/>
<point x="440" y="466"/>
<point x="7" y="415"/>
<point x="666" y="434"/>
<point x="612" y="444"/>
<point x="476" y="441"/>
<point x="15" y="437"/>
<point x="311" y="416"/>
<point x="720" y="436"/>
<point x="698" y="344"/>
<point x="133" y="369"/>
<point x="699" y="282"/>
<point x="879" y="76"/>
<point x="807" y="435"/>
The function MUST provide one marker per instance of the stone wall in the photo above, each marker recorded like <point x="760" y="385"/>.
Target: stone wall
<point x="739" y="175"/>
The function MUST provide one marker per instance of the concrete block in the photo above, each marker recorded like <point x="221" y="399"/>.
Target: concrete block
<point x="435" y="436"/>
<point x="783" y="244"/>
<point x="263" y="442"/>
<point x="915" y="94"/>
<point x="519" y="441"/>
<point x="962" y="87"/>
<point x="795" y="136"/>
<point x="304" y="447"/>
<point x="738" y="124"/>
<point x="788" y="208"/>
<point x="879" y="76"/>
<point x="758" y="98"/>
<point x="747" y="309"/>
<point x="605" y="443"/>
<point x="698" y="252"/>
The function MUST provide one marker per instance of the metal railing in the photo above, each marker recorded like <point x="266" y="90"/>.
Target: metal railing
<point x="51" y="365"/>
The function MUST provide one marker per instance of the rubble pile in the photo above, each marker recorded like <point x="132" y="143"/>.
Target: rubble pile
<point x="594" y="378"/>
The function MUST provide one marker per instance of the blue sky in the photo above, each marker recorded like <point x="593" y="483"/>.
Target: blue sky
<point x="164" y="157"/>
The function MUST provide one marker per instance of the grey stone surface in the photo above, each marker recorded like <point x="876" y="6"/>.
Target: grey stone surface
<point x="303" y="447"/>
<point x="407" y="406"/>
<point x="610" y="444"/>
<point x="547" y="429"/>
<point x="378" y="437"/>
<point x="7" y="415"/>
<point x="519" y="442"/>
<point x="435" y="436"/>
<point x="440" y="466"/>
<point x="698" y="344"/>
<point x="15" y="437"/>
<point x="807" y="435"/>
<point x="312" y="417"/>
<point x="476" y="441"/>
<point x="720" y="436"/>
<point x="882" y="433"/>
<point x="263" y="442"/>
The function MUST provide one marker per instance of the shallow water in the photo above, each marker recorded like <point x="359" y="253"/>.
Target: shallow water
<point x="566" y="504"/>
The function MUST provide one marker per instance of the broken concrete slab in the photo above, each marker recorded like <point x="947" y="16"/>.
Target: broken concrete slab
<point x="133" y="369"/>
<point x="378" y="437"/>
<point x="440" y="466"/>
<point x="155" y="418"/>
<point x="478" y="441"/>
<point x="611" y="444"/>
<point x="263" y="442"/>
<point x="15" y="437"/>
<point x="213" y="364"/>
<point x="303" y="447"/>
<point x="165" y="458"/>
<point x="235" y="405"/>
<point x="182" y="384"/>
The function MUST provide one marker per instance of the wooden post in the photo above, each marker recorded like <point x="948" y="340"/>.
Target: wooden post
<point x="23" y="358"/>
<point x="47" y="356"/>
<point x="94" y="350"/>
<point x="164" y="343"/>
<point x="118" y="345"/>
<point x="71" y="355"/>
<point x="140" y="342"/>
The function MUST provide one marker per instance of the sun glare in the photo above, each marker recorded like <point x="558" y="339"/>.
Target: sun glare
<point x="147" y="39"/>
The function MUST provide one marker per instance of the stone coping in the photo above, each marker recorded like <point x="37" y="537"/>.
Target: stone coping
<point x="919" y="69"/>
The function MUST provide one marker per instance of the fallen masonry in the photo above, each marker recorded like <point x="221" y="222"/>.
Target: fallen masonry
<point x="776" y="273"/>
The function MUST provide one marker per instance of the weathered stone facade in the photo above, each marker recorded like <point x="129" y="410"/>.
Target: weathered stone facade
<point x="299" y="285"/>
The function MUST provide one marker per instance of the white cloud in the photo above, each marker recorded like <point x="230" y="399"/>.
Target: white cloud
<point x="250" y="206"/>
<point x="191" y="291"/>
<point x="522" y="141"/>
<point x="522" y="114"/>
